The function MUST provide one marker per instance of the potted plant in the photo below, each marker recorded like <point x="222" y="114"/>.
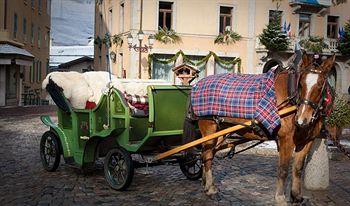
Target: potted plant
<point x="227" y="37"/>
<point x="98" y="41"/>
<point x="314" y="44"/>
<point x="117" y="39"/>
<point x="167" y="36"/>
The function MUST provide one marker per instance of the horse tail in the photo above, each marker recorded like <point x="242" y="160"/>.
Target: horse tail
<point x="189" y="125"/>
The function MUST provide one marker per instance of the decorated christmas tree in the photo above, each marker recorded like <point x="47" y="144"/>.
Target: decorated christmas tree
<point x="344" y="41"/>
<point x="273" y="38"/>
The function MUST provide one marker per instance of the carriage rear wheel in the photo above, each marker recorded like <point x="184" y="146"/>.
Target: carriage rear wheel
<point x="49" y="151"/>
<point x="191" y="166"/>
<point x="118" y="168"/>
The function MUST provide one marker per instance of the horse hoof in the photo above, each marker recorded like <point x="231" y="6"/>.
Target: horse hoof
<point x="300" y="201"/>
<point x="280" y="200"/>
<point x="212" y="190"/>
<point x="215" y="196"/>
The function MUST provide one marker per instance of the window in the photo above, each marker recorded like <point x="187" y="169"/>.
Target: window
<point x="165" y="15"/>
<point x="38" y="78"/>
<point x="25" y="29"/>
<point x="30" y="73"/>
<point x="33" y="4"/>
<point x="15" y="25"/>
<point x="110" y="20"/>
<point x="48" y="7"/>
<point x="101" y="24"/>
<point x="275" y="14"/>
<point x="223" y="69"/>
<point x="39" y="6"/>
<point x="47" y="39"/>
<point x="5" y="14"/>
<point x="332" y="27"/>
<point x="201" y="67"/>
<point x="121" y="25"/>
<point x="39" y="37"/>
<point x="47" y="66"/>
<point x="32" y="68"/>
<point x="304" y="25"/>
<point x="163" y="71"/>
<point x="225" y="18"/>
<point x="32" y="33"/>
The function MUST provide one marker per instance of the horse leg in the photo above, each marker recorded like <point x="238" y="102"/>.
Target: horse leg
<point x="208" y="127"/>
<point x="285" y="155"/>
<point x="298" y="165"/>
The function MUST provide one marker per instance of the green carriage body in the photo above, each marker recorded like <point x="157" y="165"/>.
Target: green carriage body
<point x="86" y="134"/>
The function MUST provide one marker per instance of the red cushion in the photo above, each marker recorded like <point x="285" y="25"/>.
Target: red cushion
<point x="90" y="105"/>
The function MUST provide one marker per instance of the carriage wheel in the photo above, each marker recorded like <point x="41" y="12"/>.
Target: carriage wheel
<point x="191" y="166"/>
<point x="49" y="151"/>
<point x="118" y="168"/>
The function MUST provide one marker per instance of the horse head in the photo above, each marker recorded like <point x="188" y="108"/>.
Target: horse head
<point x="312" y="83"/>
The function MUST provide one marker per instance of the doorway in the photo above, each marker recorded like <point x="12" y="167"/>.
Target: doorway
<point x="11" y="85"/>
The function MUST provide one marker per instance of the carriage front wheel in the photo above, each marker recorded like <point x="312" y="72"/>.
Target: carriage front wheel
<point x="191" y="166"/>
<point x="118" y="168"/>
<point x="49" y="151"/>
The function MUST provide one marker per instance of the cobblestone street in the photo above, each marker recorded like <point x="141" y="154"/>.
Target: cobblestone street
<point x="248" y="179"/>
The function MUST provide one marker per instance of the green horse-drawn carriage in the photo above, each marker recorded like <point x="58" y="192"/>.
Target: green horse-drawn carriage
<point x="112" y="131"/>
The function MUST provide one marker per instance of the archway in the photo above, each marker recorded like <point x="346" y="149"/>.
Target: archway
<point x="271" y="63"/>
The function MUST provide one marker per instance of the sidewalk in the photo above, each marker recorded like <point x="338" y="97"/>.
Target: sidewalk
<point x="26" y="110"/>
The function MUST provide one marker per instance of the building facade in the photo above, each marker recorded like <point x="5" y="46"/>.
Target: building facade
<point x="198" y="23"/>
<point x="24" y="50"/>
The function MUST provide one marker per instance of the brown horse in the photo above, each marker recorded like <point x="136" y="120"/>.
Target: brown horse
<point x="296" y="132"/>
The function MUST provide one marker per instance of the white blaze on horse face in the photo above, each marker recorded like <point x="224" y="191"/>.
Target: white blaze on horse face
<point x="310" y="81"/>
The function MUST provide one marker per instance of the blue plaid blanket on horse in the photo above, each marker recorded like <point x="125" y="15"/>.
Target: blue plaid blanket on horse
<point x="239" y="96"/>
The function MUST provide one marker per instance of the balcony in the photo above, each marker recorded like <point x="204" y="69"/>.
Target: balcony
<point x="332" y="45"/>
<point x="319" y="3"/>
<point x="313" y="6"/>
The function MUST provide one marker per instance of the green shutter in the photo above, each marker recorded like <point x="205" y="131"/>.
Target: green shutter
<point x="47" y="67"/>
<point x="39" y="72"/>
<point x="30" y="73"/>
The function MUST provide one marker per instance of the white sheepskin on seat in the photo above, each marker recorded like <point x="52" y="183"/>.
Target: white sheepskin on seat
<point x="98" y="82"/>
<point x="139" y="86"/>
<point x="74" y="86"/>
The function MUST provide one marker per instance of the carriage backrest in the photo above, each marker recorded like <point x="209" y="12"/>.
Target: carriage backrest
<point x="167" y="106"/>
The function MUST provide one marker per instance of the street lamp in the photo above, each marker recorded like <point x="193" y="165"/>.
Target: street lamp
<point x="139" y="48"/>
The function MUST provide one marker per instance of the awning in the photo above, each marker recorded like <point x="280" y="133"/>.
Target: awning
<point x="10" y="54"/>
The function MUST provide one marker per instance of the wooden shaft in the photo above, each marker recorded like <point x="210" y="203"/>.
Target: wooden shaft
<point x="163" y="155"/>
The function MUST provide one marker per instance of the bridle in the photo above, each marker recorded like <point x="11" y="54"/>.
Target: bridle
<point x="316" y="106"/>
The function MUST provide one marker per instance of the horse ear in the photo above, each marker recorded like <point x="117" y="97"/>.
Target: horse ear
<point x="306" y="60"/>
<point x="328" y="63"/>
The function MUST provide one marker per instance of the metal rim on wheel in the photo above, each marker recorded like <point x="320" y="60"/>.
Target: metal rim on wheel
<point x="191" y="167"/>
<point x="49" y="151"/>
<point x="118" y="168"/>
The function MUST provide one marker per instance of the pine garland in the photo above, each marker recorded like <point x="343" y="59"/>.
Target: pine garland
<point x="344" y="43"/>
<point x="186" y="59"/>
